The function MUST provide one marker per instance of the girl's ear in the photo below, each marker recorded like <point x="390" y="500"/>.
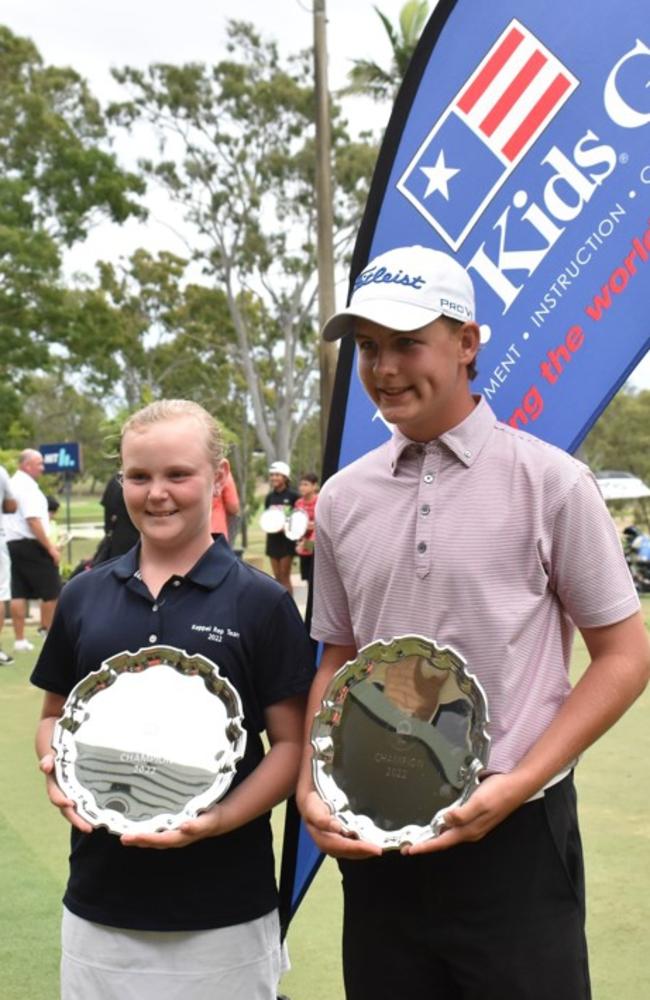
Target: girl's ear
<point x="220" y="474"/>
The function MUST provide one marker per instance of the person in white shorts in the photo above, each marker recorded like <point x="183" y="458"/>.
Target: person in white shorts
<point x="7" y="506"/>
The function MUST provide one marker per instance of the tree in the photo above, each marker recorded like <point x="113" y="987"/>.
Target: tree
<point x="56" y="181"/>
<point x="367" y="77"/>
<point x="119" y="327"/>
<point x="143" y="332"/>
<point x="620" y="438"/>
<point x="59" y="412"/>
<point x="237" y="154"/>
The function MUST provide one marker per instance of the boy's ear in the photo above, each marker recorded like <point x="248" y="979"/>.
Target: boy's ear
<point x="469" y="342"/>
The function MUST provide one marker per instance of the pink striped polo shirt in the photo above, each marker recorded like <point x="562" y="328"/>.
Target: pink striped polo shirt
<point x="486" y="539"/>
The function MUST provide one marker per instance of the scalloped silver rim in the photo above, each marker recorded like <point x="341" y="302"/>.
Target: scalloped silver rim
<point x="63" y="742"/>
<point x="351" y="673"/>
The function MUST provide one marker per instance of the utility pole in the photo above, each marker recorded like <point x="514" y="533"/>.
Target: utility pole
<point x="328" y="353"/>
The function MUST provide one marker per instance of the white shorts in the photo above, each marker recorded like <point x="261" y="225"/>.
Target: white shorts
<point x="108" y="963"/>
<point x="5" y="572"/>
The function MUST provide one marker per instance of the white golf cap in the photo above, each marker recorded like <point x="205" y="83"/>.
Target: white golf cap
<point x="404" y="289"/>
<point x="281" y="468"/>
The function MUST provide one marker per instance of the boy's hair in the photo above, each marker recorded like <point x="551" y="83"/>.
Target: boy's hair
<point x="309" y="477"/>
<point x="52" y="503"/>
<point x="172" y="409"/>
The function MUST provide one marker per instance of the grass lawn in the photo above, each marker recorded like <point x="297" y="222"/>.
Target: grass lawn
<point x="33" y="861"/>
<point x="85" y="509"/>
<point x="88" y="510"/>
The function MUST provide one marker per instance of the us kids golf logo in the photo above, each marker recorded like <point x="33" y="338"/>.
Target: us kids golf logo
<point x="503" y="107"/>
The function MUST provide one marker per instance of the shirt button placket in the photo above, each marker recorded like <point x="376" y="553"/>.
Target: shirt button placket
<point x="154" y="635"/>
<point x="424" y="521"/>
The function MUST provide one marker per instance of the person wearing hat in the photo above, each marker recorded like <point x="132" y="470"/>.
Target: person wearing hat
<point x="480" y="536"/>
<point x="279" y="548"/>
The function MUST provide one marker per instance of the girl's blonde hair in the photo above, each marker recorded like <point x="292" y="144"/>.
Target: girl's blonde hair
<point x="171" y="409"/>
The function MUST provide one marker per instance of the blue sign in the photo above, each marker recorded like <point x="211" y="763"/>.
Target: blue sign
<point x="64" y="457"/>
<point x="520" y="143"/>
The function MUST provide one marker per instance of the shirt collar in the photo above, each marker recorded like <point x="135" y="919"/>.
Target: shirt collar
<point x="465" y="440"/>
<point x="211" y="569"/>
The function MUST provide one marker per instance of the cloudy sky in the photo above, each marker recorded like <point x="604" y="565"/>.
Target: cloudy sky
<point x="94" y="35"/>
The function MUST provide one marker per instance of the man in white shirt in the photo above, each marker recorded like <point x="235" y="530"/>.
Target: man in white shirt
<point x="7" y="506"/>
<point x="34" y="557"/>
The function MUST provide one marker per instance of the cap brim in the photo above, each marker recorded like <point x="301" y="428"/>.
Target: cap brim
<point x="393" y="315"/>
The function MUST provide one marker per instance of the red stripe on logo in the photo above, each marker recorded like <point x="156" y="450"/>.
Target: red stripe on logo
<point x="512" y="93"/>
<point x="536" y="116"/>
<point x="496" y="62"/>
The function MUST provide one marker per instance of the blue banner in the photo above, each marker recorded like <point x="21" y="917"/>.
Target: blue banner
<point x="520" y="143"/>
<point x="524" y="150"/>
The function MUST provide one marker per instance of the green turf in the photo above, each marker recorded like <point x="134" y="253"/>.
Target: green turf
<point x="85" y="509"/>
<point x="33" y="860"/>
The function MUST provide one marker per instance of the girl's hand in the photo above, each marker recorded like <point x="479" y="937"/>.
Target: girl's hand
<point x="65" y="806"/>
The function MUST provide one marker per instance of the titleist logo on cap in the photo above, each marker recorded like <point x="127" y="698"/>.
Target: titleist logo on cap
<point x="382" y="276"/>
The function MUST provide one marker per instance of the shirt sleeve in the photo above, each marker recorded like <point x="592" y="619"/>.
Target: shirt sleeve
<point x="284" y="662"/>
<point x="588" y="569"/>
<point x="331" y="620"/>
<point x="5" y="485"/>
<point x="55" y="667"/>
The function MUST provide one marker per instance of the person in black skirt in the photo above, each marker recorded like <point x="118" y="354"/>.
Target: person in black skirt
<point x="279" y="548"/>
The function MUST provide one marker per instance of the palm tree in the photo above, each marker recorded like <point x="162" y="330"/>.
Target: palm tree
<point x="371" y="79"/>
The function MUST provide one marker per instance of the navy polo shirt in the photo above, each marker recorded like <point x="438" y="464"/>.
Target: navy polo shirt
<point x="249" y="626"/>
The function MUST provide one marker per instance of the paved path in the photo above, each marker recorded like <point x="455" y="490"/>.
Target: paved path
<point x="299" y="593"/>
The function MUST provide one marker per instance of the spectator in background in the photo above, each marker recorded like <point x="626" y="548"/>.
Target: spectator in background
<point x="119" y="533"/>
<point x="279" y="548"/>
<point x="53" y="530"/>
<point x="34" y="557"/>
<point x="7" y="506"/>
<point x="225" y="505"/>
<point x="308" y="487"/>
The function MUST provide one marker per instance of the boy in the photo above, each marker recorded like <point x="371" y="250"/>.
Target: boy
<point x="484" y="538"/>
<point x="308" y="488"/>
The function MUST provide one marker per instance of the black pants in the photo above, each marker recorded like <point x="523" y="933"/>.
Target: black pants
<point x="33" y="571"/>
<point x="501" y="919"/>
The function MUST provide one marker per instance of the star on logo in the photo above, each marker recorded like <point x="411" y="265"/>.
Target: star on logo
<point x="438" y="176"/>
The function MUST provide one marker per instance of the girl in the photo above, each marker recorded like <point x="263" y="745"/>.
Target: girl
<point x="190" y="912"/>
<point x="279" y="548"/>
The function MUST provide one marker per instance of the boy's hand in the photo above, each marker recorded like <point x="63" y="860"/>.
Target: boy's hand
<point x="329" y="835"/>
<point x="493" y="800"/>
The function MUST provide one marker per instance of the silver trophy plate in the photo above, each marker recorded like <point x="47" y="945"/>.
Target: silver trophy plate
<point x="400" y="738"/>
<point x="149" y="740"/>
